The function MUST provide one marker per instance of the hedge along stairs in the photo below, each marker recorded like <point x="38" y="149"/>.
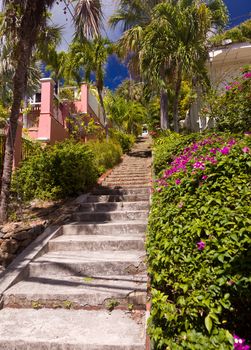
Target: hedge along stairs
<point x="86" y="289"/>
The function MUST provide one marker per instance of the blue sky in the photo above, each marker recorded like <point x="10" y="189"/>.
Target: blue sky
<point x="239" y="11"/>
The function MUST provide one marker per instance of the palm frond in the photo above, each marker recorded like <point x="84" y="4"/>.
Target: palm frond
<point x="88" y="18"/>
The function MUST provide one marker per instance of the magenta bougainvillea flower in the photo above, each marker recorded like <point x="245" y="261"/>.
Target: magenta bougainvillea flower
<point x="247" y="75"/>
<point x="245" y="149"/>
<point x="199" y="165"/>
<point x="240" y="344"/>
<point x="225" y="151"/>
<point x="232" y="142"/>
<point x="204" y="177"/>
<point x="201" y="245"/>
<point x="177" y="181"/>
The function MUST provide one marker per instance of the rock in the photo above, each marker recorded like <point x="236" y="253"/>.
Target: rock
<point x="25" y="243"/>
<point x="6" y="257"/>
<point x="9" y="246"/>
<point x="21" y="235"/>
<point x="8" y="235"/>
<point x="32" y="233"/>
<point x="9" y="227"/>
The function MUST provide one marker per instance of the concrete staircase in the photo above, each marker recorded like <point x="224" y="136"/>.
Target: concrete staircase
<point x="86" y="289"/>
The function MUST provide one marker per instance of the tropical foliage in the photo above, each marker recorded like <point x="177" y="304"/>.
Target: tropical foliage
<point x="65" y="169"/>
<point x="91" y="57"/>
<point x="167" y="40"/>
<point x="238" y="34"/>
<point x="125" y="115"/>
<point x="198" y="243"/>
<point x="125" y="141"/>
<point x="106" y="154"/>
<point x="23" y="21"/>
<point x="231" y="109"/>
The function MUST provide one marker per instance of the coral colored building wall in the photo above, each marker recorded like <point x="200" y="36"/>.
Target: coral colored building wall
<point x="47" y="120"/>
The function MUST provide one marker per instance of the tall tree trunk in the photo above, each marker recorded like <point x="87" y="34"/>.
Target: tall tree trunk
<point x="25" y="114"/>
<point x="164" y="120"/>
<point x="27" y="34"/>
<point x="176" y="98"/>
<point x="102" y="105"/>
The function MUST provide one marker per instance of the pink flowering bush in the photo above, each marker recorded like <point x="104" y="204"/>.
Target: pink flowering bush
<point x="232" y="108"/>
<point x="199" y="243"/>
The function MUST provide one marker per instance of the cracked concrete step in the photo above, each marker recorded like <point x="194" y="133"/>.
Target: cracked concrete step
<point x="117" y="198"/>
<point x="71" y="330"/>
<point x="111" y="216"/>
<point x="121" y="228"/>
<point x="103" y="207"/>
<point x="120" y="191"/>
<point x="85" y="263"/>
<point x="77" y="292"/>
<point x="96" y="242"/>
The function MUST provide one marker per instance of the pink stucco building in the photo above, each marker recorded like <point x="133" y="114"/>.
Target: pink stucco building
<point x="47" y="120"/>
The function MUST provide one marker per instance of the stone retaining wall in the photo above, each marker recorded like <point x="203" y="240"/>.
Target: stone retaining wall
<point x="14" y="239"/>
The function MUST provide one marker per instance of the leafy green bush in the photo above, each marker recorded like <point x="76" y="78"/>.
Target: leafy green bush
<point x="199" y="244"/>
<point x="62" y="170"/>
<point x="107" y="154"/>
<point x="126" y="141"/>
<point x="231" y="110"/>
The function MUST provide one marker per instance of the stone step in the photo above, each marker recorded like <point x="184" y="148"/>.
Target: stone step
<point x="111" y="216"/>
<point x="131" y="177"/>
<point x="97" y="207"/>
<point x="111" y="228"/>
<point x="45" y="329"/>
<point x="85" y="263"/>
<point x="73" y="292"/>
<point x="118" y="198"/>
<point x="125" y="166"/>
<point x="130" y="186"/>
<point x="121" y="191"/>
<point x="119" y="182"/>
<point x="124" y="184"/>
<point x="96" y="242"/>
<point x="131" y="170"/>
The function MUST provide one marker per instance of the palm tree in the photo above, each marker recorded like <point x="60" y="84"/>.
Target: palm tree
<point x="126" y="115"/>
<point x="92" y="57"/>
<point x="133" y="13"/>
<point x="136" y="16"/>
<point x="24" y="19"/>
<point x="174" y="42"/>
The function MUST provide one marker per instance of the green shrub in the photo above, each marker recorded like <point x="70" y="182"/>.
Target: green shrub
<point x="62" y="170"/>
<point x="231" y="109"/>
<point x="126" y="141"/>
<point x="199" y="244"/>
<point x="107" y="154"/>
